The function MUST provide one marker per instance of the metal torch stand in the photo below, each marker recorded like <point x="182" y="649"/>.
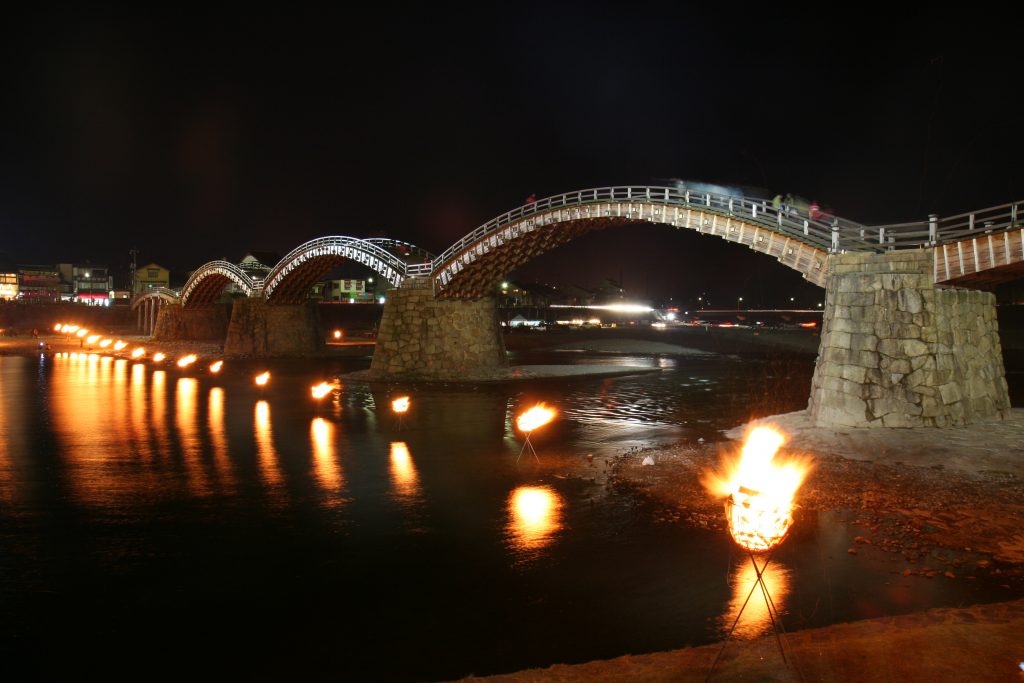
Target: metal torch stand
<point x="773" y="615"/>
<point x="526" y="445"/>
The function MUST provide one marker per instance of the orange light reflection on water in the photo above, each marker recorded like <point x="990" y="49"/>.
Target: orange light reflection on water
<point x="218" y="436"/>
<point x="755" y="620"/>
<point x="265" y="450"/>
<point x="186" y="414"/>
<point x="405" y="481"/>
<point x="325" y="457"/>
<point x="535" y="516"/>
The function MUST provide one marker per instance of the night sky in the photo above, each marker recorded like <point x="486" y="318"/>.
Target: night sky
<point x="199" y="134"/>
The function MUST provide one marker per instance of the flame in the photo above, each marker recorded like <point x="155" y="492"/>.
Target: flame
<point x="158" y="356"/>
<point x="185" y="361"/>
<point x="759" y="490"/>
<point x="105" y="343"/>
<point x="72" y="328"/>
<point x="321" y="390"/>
<point x="216" y="365"/>
<point x="57" y="327"/>
<point x="138" y="352"/>
<point x="118" y="345"/>
<point x="261" y="380"/>
<point x="82" y="332"/>
<point x="337" y="334"/>
<point x="400" y="404"/>
<point x="93" y="338"/>
<point x="809" y="324"/>
<point x="535" y="417"/>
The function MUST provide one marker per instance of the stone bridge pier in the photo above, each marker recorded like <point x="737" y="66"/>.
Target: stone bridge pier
<point x="422" y="337"/>
<point x="176" y="323"/>
<point x="897" y="351"/>
<point x="258" y="328"/>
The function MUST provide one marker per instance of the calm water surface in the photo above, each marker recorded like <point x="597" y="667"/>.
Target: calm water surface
<point x="160" y="523"/>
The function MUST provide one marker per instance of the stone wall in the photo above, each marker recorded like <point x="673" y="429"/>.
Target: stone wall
<point x="427" y="338"/>
<point x="209" y="323"/>
<point x="896" y="351"/>
<point x="261" y="329"/>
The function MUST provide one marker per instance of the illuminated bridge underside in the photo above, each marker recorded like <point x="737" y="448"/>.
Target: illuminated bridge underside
<point x="290" y="280"/>
<point x="294" y="288"/>
<point x="474" y="272"/>
<point x="206" y="284"/>
<point x="982" y="262"/>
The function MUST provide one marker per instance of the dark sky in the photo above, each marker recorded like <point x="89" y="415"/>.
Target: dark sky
<point x="197" y="134"/>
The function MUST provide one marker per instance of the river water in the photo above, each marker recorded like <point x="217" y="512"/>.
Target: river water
<point x="159" y="523"/>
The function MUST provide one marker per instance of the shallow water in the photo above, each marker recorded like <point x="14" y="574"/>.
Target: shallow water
<point x="164" y="523"/>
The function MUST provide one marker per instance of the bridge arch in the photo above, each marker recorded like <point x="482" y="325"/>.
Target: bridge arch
<point x="470" y="267"/>
<point x="209" y="280"/>
<point x="292" y="277"/>
<point x="148" y="304"/>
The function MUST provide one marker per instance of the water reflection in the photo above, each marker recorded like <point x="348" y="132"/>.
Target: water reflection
<point x="186" y="393"/>
<point x="534" y="518"/>
<point x="265" y="451"/>
<point x="321" y="433"/>
<point x="405" y="481"/>
<point x="218" y="435"/>
<point x="138" y="424"/>
<point x="158" y="406"/>
<point x="13" y="392"/>
<point x="755" y="620"/>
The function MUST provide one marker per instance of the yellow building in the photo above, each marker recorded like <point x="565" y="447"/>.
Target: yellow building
<point x="151" y="275"/>
<point x="8" y="285"/>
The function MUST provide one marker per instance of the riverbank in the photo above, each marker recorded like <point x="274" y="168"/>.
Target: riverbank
<point x="931" y="504"/>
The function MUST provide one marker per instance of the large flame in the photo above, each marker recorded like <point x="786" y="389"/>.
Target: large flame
<point x="535" y="417"/>
<point x="759" y="490"/>
<point x="321" y="390"/>
<point x="400" y="405"/>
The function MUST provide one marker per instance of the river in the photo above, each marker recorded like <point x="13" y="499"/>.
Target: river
<point x="158" y="522"/>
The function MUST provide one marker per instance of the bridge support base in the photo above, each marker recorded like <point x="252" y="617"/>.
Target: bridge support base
<point x="897" y="351"/>
<point x="421" y="337"/>
<point x="174" y="323"/>
<point x="261" y="329"/>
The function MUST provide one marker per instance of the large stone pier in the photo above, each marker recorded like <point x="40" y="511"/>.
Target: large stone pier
<point x="206" y="323"/>
<point x="261" y="329"/>
<point x="421" y="337"/>
<point x="897" y="351"/>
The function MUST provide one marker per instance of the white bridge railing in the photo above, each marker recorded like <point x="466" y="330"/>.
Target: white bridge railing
<point x="826" y="232"/>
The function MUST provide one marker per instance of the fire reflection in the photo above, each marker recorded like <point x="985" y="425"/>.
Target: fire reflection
<point x="405" y="481"/>
<point x="321" y="432"/>
<point x="186" y="392"/>
<point x="158" y="415"/>
<point x="535" y="514"/>
<point x="218" y="435"/>
<point x="12" y="438"/>
<point x="265" y="444"/>
<point x="755" y="620"/>
<point x="138" y="424"/>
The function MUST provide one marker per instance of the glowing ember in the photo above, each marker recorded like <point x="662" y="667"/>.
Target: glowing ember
<point x="400" y="404"/>
<point x="138" y="352"/>
<point x="186" y="361"/>
<point x="118" y="345"/>
<point x="535" y="417"/>
<point x="82" y="332"/>
<point x="321" y="390"/>
<point x="157" y="357"/>
<point x="216" y="365"/>
<point x="759" y="490"/>
<point x="261" y="380"/>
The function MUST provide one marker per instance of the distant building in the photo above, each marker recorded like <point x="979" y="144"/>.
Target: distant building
<point x="86" y="283"/>
<point x="258" y="264"/>
<point x="351" y="291"/>
<point x="39" y="284"/>
<point x="8" y="284"/>
<point x="150" y="276"/>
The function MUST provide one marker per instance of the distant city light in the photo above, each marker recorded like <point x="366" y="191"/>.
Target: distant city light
<point x="615" y="308"/>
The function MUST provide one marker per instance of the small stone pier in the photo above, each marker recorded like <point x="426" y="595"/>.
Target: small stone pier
<point x="421" y="337"/>
<point x="897" y="351"/>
